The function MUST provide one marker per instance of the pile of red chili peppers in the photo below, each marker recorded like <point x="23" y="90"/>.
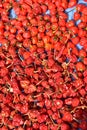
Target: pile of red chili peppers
<point x="43" y="73"/>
